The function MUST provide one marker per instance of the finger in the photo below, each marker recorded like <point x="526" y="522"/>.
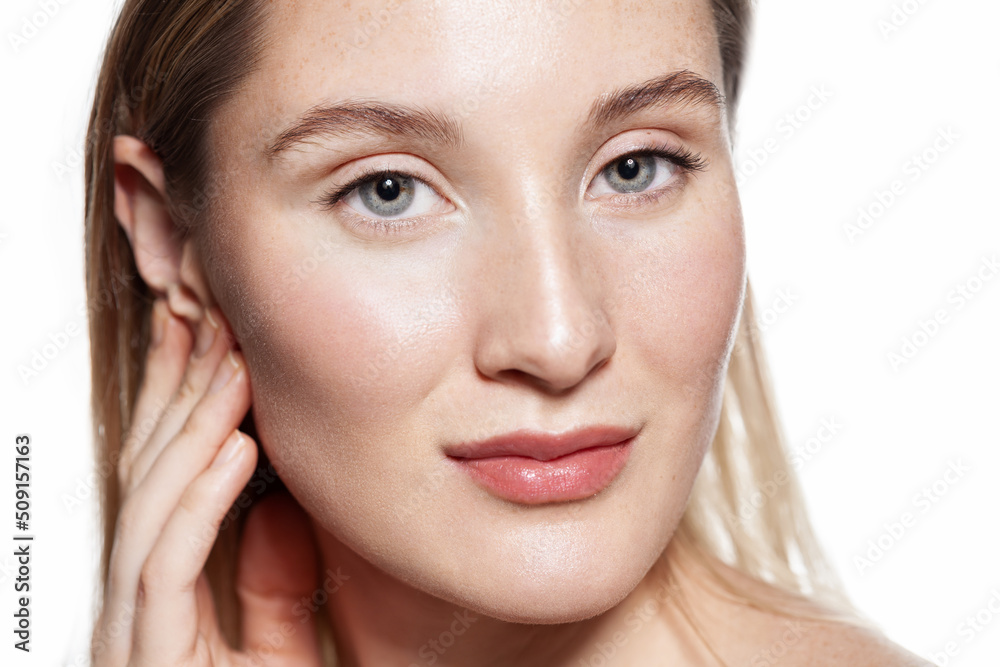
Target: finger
<point x="208" y="352"/>
<point x="145" y="512"/>
<point x="277" y="568"/>
<point x="105" y="651"/>
<point x="170" y="345"/>
<point x="208" y="623"/>
<point x="167" y="622"/>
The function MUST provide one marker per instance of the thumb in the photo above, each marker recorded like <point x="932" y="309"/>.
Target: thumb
<point x="277" y="568"/>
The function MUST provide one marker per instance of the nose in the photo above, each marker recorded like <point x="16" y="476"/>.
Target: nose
<point x="543" y="320"/>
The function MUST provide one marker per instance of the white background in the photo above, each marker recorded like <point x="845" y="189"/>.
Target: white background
<point x="834" y="110"/>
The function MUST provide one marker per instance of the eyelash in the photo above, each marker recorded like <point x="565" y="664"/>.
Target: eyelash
<point x="384" y="227"/>
<point x="685" y="160"/>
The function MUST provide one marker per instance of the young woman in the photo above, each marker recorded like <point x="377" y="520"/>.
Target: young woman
<point x="479" y="269"/>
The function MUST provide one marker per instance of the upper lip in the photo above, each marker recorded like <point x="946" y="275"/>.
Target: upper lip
<point x="540" y="445"/>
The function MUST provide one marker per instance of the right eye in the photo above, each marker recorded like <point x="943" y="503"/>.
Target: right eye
<point x="383" y="193"/>
<point x="382" y="202"/>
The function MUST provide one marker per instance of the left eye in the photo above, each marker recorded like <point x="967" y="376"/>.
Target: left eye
<point x="391" y="195"/>
<point x="633" y="173"/>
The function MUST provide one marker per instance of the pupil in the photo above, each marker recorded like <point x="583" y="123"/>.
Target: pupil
<point x="388" y="189"/>
<point x="628" y="168"/>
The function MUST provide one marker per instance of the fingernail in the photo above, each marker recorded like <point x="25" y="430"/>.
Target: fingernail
<point x="229" y="450"/>
<point x="207" y="329"/>
<point x="226" y="370"/>
<point x="159" y="321"/>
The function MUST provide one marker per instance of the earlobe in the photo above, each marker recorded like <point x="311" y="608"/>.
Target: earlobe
<point x="141" y="209"/>
<point x="192" y="293"/>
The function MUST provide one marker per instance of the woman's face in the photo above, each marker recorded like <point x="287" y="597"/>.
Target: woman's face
<point x="513" y="283"/>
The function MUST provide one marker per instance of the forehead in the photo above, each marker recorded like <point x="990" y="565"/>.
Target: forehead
<point x="526" y="39"/>
<point x="530" y="62"/>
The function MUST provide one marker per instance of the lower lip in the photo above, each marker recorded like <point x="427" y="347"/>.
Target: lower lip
<point x="522" y="479"/>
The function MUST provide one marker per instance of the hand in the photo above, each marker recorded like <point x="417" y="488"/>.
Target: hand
<point x="181" y="468"/>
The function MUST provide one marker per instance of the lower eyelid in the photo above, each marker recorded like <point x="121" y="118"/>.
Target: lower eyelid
<point x="645" y="198"/>
<point x="671" y="188"/>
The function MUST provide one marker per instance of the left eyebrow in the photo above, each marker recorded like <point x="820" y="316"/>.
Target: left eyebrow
<point x="676" y="88"/>
<point x="361" y="117"/>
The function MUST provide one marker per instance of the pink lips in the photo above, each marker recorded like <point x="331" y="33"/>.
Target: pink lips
<point x="532" y="468"/>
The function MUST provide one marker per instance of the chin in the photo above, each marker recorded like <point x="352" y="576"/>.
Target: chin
<point x="556" y="604"/>
<point x="552" y="603"/>
<point x="551" y="574"/>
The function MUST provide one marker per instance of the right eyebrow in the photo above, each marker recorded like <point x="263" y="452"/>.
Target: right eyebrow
<point x="360" y="117"/>
<point x="375" y="118"/>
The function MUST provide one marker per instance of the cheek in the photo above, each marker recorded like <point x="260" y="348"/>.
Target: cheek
<point x="679" y="319"/>
<point x="370" y="347"/>
<point x="340" y="353"/>
<point x="683" y="304"/>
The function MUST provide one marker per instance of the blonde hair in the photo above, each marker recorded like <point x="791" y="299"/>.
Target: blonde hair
<point x="168" y="66"/>
<point x="748" y="467"/>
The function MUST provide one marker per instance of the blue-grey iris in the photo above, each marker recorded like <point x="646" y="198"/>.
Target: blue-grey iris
<point x="388" y="196"/>
<point x="633" y="173"/>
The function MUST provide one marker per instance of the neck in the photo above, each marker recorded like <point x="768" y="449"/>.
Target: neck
<point x="377" y="619"/>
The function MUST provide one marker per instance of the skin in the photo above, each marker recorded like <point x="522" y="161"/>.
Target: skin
<point x="526" y="294"/>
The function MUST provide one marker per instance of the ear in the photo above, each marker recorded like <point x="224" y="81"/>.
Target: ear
<point x="167" y="261"/>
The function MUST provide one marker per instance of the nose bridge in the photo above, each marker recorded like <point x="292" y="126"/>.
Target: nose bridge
<point x="543" y="314"/>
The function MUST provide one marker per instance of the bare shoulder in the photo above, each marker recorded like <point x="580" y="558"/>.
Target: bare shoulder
<point x="823" y="644"/>
<point x="766" y="639"/>
<point x="761" y="638"/>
